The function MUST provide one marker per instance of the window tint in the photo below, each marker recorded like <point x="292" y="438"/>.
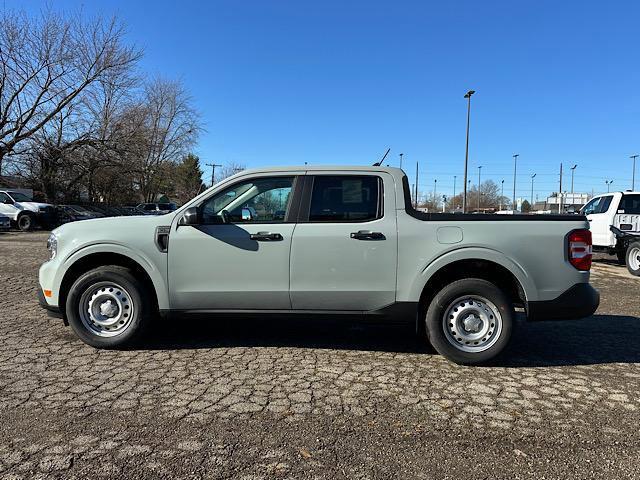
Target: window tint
<point x="254" y="201"/>
<point x="630" y="204"/>
<point x="344" y="199"/>
<point x="4" y="198"/>
<point x="597" y="205"/>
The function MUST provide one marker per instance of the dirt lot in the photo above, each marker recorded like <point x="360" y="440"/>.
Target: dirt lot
<point x="314" y="400"/>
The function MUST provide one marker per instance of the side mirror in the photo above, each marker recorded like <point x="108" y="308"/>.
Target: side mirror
<point x="246" y="214"/>
<point x="190" y="217"/>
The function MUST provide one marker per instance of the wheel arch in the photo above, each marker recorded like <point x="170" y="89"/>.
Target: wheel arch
<point x="484" y="265"/>
<point x="102" y="258"/>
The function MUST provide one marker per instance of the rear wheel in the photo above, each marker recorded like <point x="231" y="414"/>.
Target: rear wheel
<point x="26" y="222"/>
<point x="633" y="259"/>
<point x="108" y="307"/>
<point x="470" y="321"/>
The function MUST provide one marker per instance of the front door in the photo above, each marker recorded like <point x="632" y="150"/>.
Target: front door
<point x="596" y="212"/>
<point x="238" y="257"/>
<point x="344" y="250"/>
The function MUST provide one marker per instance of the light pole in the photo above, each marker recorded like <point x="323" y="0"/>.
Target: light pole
<point x="401" y="160"/>
<point x="633" y="175"/>
<point x="466" y="154"/>
<point x="479" y="168"/>
<point x="502" y="194"/>
<point x="608" y="182"/>
<point x="435" y="188"/>
<point x="532" y="177"/>
<point x="454" y="192"/>
<point x="213" y="170"/>
<point x="573" y="170"/>
<point x="515" y="168"/>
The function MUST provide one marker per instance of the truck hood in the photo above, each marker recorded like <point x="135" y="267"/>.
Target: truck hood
<point x="31" y="206"/>
<point x="109" y="228"/>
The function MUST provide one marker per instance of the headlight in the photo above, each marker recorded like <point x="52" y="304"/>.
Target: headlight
<point x="52" y="245"/>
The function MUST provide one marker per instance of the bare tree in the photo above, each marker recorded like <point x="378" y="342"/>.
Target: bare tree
<point x="170" y="126"/>
<point x="229" y="169"/>
<point x="47" y="64"/>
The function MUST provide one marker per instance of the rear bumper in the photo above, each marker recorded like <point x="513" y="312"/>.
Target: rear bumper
<point x="579" y="301"/>
<point x="51" y="310"/>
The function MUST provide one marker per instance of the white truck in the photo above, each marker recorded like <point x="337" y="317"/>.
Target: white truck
<point x="615" y="226"/>
<point x="23" y="211"/>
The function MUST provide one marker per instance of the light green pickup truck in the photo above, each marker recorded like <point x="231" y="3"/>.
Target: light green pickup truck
<point x="320" y="240"/>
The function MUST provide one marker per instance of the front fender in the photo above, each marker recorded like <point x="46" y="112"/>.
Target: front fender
<point x="474" y="253"/>
<point x="149" y="266"/>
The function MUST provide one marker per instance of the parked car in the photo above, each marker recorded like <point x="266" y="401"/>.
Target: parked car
<point x="5" y="223"/>
<point x="157" y="208"/>
<point x="615" y="226"/>
<point x="23" y="212"/>
<point x="74" y="213"/>
<point x="350" y="244"/>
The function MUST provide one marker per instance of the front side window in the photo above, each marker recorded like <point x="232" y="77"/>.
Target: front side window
<point x="597" y="205"/>
<point x="4" y="198"/>
<point x="19" y="197"/>
<point x="259" y="200"/>
<point x="630" y="204"/>
<point x="348" y="198"/>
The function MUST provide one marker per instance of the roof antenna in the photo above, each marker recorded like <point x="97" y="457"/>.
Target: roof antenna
<point x="377" y="164"/>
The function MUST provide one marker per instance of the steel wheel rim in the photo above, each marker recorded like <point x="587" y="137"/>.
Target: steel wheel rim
<point x="634" y="258"/>
<point x="106" y="309"/>
<point x="472" y="323"/>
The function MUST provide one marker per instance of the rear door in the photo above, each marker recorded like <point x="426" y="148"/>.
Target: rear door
<point x="344" y="249"/>
<point x="599" y="218"/>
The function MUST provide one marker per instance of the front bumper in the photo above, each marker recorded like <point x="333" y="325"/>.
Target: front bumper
<point x="52" y="311"/>
<point x="579" y="301"/>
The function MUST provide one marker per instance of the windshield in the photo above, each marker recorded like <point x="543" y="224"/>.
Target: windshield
<point x="19" y="197"/>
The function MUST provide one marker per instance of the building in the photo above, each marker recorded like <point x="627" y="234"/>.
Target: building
<point x="571" y="202"/>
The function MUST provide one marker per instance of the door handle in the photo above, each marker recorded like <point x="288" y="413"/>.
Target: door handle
<point x="266" y="237"/>
<point x="367" y="235"/>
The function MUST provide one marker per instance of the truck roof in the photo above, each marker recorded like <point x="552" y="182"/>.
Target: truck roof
<point x="320" y="168"/>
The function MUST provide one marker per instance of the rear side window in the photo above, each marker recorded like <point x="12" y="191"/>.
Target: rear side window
<point x="606" y="201"/>
<point x="348" y="198"/>
<point x="630" y="204"/>
<point x="597" y="205"/>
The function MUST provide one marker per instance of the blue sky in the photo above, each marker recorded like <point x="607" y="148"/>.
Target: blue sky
<point x="337" y="82"/>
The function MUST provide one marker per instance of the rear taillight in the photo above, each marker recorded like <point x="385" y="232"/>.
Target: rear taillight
<point x="580" y="249"/>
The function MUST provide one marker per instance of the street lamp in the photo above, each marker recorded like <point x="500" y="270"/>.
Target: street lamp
<point x="401" y="160"/>
<point x="435" y="188"/>
<point x="466" y="154"/>
<point x="515" y="165"/>
<point x="479" y="168"/>
<point x="573" y="170"/>
<point x="633" y="176"/>
<point x="608" y="182"/>
<point x="454" y="191"/>
<point x="532" y="177"/>
<point x="502" y="194"/>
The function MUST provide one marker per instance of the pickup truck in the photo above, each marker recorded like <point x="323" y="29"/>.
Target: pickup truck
<point x="23" y="211"/>
<point x="615" y="226"/>
<point x="333" y="241"/>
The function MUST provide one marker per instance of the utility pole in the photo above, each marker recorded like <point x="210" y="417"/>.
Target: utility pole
<point x="560" y="192"/>
<point x="608" y="182"/>
<point x="573" y="170"/>
<point x="479" y="168"/>
<point x="502" y="194"/>
<point x="401" y="160"/>
<point x="213" y="170"/>
<point x="532" y="177"/>
<point x="633" y="175"/>
<point x="466" y="154"/>
<point x="515" y="168"/>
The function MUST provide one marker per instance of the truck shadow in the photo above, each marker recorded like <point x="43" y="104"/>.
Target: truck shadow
<point x="596" y="340"/>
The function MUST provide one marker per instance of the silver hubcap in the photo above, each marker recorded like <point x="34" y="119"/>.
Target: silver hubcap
<point x="472" y="323"/>
<point x="106" y="309"/>
<point x="634" y="258"/>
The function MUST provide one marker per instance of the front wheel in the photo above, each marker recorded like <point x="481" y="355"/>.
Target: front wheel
<point x="108" y="307"/>
<point x="26" y="222"/>
<point x="470" y="321"/>
<point x="633" y="259"/>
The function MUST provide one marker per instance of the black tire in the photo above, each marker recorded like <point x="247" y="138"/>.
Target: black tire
<point x="124" y="286"/>
<point x="632" y="259"/>
<point x="446" y="300"/>
<point x="26" y="222"/>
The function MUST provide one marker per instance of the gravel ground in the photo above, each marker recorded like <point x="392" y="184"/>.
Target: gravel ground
<point x="232" y="399"/>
